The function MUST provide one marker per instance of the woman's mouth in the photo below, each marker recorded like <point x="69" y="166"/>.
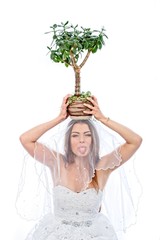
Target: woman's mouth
<point x="82" y="150"/>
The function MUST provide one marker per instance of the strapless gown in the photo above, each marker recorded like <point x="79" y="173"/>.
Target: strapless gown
<point x="76" y="217"/>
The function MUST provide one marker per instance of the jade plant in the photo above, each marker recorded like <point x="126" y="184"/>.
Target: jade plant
<point x="70" y="44"/>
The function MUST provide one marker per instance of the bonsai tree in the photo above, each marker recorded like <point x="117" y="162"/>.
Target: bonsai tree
<point x="69" y="45"/>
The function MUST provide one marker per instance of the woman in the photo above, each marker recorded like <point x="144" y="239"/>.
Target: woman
<point x="80" y="166"/>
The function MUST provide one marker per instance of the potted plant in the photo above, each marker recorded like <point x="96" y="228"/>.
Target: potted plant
<point x="69" y="44"/>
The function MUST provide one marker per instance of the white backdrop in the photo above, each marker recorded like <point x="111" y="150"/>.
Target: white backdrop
<point x="124" y="76"/>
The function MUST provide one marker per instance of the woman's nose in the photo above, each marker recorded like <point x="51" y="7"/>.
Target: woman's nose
<point x="81" y="139"/>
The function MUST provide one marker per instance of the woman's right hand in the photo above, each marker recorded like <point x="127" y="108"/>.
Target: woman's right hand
<point x="64" y="113"/>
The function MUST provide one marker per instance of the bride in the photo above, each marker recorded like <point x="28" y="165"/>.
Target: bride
<point x="74" y="170"/>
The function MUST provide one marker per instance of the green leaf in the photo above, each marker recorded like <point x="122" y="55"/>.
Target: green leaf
<point x="67" y="37"/>
<point x="66" y="23"/>
<point x="94" y="49"/>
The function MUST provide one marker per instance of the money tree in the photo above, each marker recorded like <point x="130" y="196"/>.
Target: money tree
<point x="72" y="45"/>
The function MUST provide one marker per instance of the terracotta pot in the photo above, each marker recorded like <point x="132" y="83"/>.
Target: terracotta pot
<point x="76" y="109"/>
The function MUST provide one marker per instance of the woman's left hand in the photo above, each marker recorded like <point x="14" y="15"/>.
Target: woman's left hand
<point x="95" y="109"/>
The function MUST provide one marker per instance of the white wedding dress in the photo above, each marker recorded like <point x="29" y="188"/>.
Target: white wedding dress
<point x="64" y="214"/>
<point x="76" y="216"/>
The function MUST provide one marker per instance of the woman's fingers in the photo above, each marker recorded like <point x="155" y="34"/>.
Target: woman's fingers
<point x="93" y="100"/>
<point x="66" y="97"/>
<point x="65" y="102"/>
<point x="88" y="106"/>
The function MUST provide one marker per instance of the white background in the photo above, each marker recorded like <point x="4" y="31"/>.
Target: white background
<point x="124" y="76"/>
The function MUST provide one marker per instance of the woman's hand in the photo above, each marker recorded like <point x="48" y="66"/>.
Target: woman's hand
<point x="63" y="113"/>
<point x="95" y="109"/>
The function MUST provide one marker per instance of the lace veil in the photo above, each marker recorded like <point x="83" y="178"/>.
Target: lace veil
<point x="37" y="180"/>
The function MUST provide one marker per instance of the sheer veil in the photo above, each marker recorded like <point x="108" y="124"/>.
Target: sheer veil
<point x="37" y="181"/>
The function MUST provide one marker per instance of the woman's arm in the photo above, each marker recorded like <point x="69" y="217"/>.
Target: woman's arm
<point x="132" y="139"/>
<point x="30" y="137"/>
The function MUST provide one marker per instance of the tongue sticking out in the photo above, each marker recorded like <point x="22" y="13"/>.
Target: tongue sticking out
<point x="82" y="150"/>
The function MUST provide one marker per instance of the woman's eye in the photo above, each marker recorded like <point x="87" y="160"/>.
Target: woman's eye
<point x="74" y="135"/>
<point x="88" y="135"/>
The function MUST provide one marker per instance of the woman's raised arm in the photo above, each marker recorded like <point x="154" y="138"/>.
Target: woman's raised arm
<point x="132" y="139"/>
<point x="30" y="137"/>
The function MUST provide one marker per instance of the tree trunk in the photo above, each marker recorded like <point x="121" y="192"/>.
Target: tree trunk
<point x="77" y="81"/>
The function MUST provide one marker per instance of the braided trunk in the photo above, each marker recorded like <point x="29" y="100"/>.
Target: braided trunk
<point x="76" y="108"/>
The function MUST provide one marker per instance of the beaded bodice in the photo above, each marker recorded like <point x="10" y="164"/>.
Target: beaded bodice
<point x="73" y="206"/>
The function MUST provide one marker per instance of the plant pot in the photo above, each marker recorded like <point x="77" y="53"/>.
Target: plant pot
<point x="76" y="108"/>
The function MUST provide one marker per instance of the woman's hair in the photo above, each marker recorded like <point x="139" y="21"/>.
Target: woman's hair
<point x="94" y="151"/>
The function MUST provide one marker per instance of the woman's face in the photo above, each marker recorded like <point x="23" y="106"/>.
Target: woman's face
<point x="81" y="139"/>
